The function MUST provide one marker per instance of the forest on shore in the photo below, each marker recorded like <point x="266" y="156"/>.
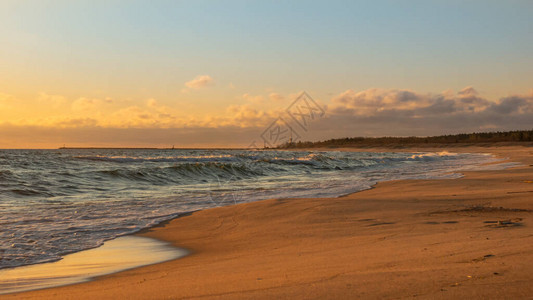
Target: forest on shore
<point x="476" y="138"/>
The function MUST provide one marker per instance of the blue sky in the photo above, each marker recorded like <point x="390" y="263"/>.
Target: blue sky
<point x="423" y="45"/>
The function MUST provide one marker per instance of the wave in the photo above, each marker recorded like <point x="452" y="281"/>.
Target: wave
<point x="185" y="172"/>
<point x="131" y="159"/>
<point x="325" y="162"/>
<point x="6" y="175"/>
<point x="204" y="168"/>
<point x="218" y="168"/>
<point x="316" y="160"/>
<point x="432" y="156"/>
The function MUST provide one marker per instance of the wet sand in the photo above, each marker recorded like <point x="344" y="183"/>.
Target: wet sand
<point x="123" y="253"/>
<point x="455" y="238"/>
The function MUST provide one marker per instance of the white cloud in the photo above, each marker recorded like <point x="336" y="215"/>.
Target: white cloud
<point x="201" y="81"/>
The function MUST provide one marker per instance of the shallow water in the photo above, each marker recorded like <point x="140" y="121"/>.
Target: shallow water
<point x="113" y="256"/>
<point x="55" y="202"/>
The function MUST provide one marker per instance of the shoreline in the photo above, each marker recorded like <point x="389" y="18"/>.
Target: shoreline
<point x="166" y="230"/>
<point x="116" y="255"/>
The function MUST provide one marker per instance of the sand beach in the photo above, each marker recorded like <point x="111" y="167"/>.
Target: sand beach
<point x="468" y="238"/>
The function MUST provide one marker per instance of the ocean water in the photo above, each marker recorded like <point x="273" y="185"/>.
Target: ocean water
<point x="55" y="202"/>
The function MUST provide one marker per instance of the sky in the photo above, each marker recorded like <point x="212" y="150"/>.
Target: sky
<point x="224" y="73"/>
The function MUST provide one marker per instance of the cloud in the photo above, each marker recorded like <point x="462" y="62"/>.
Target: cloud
<point x="247" y="116"/>
<point x="53" y="100"/>
<point x="201" y="81"/>
<point x="260" y="99"/>
<point x="378" y="101"/>
<point x="375" y="101"/>
<point x="253" y="99"/>
<point x="151" y="102"/>
<point x="276" y="97"/>
<point x="379" y="112"/>
<point x="468" y="92"/>
<point x="76" y="122"/>
<point x="84" y="104"/>
<point x="514" y="105"/>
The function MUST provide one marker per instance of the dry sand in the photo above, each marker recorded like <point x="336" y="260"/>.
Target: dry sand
<point x="457" y="238"/>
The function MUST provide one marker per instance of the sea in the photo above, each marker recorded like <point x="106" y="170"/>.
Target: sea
<point x="56" y="202"/>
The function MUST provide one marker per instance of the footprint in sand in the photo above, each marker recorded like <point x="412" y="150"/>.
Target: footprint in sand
<point x="445" y="222"/>
<point x="382" y="223"/>
<point x="482" y="258"/>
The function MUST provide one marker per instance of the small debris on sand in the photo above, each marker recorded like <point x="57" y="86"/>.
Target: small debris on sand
<point x="504" y="223"/>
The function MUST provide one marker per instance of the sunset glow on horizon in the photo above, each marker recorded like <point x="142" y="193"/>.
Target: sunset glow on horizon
<point x="213" y="74"/>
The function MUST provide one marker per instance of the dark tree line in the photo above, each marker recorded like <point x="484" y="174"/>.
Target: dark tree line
<point x="463" y="138"/>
